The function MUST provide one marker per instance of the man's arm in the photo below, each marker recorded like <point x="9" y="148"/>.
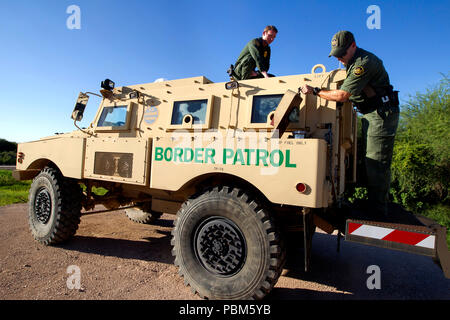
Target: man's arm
<point x="333" y="95"/>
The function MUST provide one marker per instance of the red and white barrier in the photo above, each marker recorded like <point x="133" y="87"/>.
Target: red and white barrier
<point x="392" y="235"/>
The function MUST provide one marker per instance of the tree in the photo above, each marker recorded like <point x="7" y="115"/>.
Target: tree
<point x="8" y="152"/>
<point x="5" y="145"/>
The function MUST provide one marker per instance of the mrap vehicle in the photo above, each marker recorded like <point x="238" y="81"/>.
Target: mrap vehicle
<point x="248" y="168"/>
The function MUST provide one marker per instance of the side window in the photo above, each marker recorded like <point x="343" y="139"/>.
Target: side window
<point x="195" y="108"/>
<point x="263" y="105"/>
<point x="191" y="114"/>
<point x="113" y="117"/>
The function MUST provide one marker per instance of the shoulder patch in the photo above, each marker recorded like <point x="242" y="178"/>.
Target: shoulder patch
<point x="265" y="54"/>
<point x="334" y="42"/>
<point x="358" y="71"/>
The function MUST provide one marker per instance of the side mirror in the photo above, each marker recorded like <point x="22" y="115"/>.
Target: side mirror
<point x="231" y="85"/>
<point x="78" y="111"/>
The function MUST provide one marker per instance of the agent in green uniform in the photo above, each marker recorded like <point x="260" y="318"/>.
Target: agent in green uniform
<point x="256" y="54"/>
<point x="367" y="86"/>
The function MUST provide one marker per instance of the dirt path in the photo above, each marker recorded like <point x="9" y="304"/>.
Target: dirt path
<point x="120" y="259"/>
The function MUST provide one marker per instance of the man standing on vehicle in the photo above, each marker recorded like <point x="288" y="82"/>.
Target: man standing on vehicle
<point x="367" y="86"/>
<point x="256" y="54"/>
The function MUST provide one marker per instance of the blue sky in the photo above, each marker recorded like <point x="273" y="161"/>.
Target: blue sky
<point x="44" y="65"/>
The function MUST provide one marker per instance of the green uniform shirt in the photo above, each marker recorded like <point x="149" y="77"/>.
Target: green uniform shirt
<point x="254" y="55"/>
<point x="364" y="69"/>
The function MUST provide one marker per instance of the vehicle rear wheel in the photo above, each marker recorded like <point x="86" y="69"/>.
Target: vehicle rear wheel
<point x="226" y="246"/>
<point x="54" y="207"/>
<point x="143" y="214"/>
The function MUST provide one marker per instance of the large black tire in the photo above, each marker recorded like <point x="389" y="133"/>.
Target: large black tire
<point x="143" y="214"/>
<point x="54" y="207"/>
<point x="226" y="246"/>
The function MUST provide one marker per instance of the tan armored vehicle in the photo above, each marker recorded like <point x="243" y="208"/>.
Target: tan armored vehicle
<point x="244" y="165"/>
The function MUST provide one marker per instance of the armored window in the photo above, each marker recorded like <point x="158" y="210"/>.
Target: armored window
<point x="263" y="105"/>
<point x="195" y="108"/>
<point x="113" y="117"/>
<point x="191" y="114"/>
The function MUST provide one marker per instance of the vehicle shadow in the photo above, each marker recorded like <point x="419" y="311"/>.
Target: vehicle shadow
<point x="149" y="249"/>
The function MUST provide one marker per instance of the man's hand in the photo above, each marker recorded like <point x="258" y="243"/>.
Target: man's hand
<point x="306" y="89"/>
<point x="255" y="74"/>
<point x="332" y="95"/>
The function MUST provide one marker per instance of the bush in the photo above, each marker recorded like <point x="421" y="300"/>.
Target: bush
<point x="421" y="161"/>
<point x="416" y="178"/>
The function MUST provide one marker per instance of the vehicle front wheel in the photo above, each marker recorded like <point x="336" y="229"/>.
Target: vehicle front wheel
<point x="226" y="246"/>
<point x="54" y="207"/>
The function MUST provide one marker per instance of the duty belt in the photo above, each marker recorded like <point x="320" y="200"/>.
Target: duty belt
<point x="384" y="104"/>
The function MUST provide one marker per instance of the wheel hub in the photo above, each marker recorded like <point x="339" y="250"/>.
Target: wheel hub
<point x="43" y="205"/>
<point x="220" y="246"/>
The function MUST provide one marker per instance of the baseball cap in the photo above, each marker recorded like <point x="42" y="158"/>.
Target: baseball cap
<point x="340" y="43"/>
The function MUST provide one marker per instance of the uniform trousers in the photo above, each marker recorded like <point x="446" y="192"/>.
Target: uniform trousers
<point x="378" y="137"/>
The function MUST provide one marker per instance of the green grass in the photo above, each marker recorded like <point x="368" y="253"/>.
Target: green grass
<point x="11" y="190"/>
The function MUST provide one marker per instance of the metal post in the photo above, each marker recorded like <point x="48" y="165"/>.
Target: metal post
<point x="308" y="227"/>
